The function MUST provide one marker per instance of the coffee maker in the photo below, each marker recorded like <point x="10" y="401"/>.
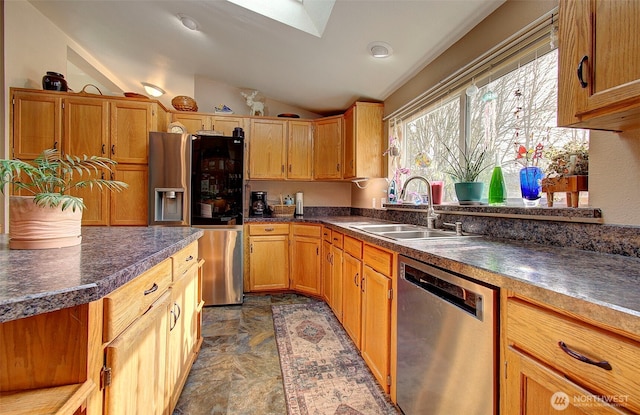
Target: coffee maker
<point x="258" y="203"/>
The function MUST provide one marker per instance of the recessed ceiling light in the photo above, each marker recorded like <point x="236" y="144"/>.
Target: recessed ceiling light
<point x="153" y="90"/>
<point x="188" y="22"/>
<point x="380" y="49"/>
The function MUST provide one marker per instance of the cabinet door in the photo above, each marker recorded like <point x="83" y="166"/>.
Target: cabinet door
<point x="326" y="272"/>
<point x="376" y="324"/>
<point x="183" y="332"/>
<point x="37" y="124"/>
<point x="363" y="140"/>
<point x="267" y="149"/>
<point x="305" y="264"/>
<point x="226" y="124"/>
<point x="130" y="126"/>
<point x="300" y="150"/>
<point x="599" y="31"/>
<point x="327" y="149"/>
<point x="86" y="132"/>
<point x="351" y="298"/>
<point x="336" y="281"/>
<point x="268" y="262"/>
<point x="137" y="359"/>
<point x="193" y="122"/>
<point x="129" y="207"/>
<point x="534" y="389"/>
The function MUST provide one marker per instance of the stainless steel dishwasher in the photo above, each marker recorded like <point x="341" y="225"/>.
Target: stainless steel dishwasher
<point x="447" y="343"/>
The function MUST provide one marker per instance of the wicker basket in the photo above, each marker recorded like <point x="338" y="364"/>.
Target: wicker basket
<point x="184" y="103"/>
<point x="283" y="211"/>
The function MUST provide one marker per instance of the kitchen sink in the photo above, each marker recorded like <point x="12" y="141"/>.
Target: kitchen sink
<point x="432" y="233"/>
<point x="400" y="231"/>
<point x="392" y="227"/>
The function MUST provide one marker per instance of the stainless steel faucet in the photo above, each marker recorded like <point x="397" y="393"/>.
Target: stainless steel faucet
<point x="431" y="214"/>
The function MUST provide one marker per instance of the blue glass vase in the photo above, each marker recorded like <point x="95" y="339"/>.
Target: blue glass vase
<point x="531" y="185"/>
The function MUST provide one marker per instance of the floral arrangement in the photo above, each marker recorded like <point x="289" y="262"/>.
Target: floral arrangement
<point x="570" y="159"/>
<point x="529" y="157"/>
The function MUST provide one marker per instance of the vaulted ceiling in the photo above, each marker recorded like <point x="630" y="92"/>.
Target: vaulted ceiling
<point x="322" y="65"/>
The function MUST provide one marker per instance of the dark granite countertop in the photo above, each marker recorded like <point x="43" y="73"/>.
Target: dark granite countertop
<point x="38" y="281"/>
<point x="602" y="287"/>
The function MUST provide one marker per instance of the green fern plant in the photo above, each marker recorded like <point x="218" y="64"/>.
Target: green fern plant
<point x="51" y="176"/>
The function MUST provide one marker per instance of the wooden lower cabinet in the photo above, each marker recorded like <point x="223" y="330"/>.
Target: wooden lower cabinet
<point x="556" y="362"/>
<point x="305" y="259"/>
<point x="268" y="262"/>
<point x="351" y="297"/>
<point x="534" y="389"/>
<point x="137" y="360"/>
<point x="183" y="332"/>
<point x="326" y="271"/>
<point x="376" y="324"/>
<point x="336" y="281"/>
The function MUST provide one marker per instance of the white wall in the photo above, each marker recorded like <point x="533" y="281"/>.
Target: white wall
<point x="614" y="176"/>
<point x="210" y="93"/>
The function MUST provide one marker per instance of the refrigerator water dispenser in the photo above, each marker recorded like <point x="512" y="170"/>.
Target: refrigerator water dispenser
<point x="169" y="206"/>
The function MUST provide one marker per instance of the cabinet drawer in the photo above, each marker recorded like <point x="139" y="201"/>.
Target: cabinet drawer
<point x="378" y="259"/>
<point x="336" y="239"/>
<point x="353" y="247"/>
<point x="312" y="231"/>
<point x="269" y="229"/>
<point x="538" y="332"/>
<point x="124" y="305"/>
<point x="326" y="234"/>
<point x="184" y="259"/>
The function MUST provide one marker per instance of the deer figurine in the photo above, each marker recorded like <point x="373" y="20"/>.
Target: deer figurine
<point x="257" y="107"/>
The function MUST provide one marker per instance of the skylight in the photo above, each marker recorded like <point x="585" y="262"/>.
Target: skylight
<point x="310" y="16"/>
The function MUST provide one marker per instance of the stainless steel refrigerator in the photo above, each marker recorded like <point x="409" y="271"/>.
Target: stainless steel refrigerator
<point x="197" y="180"/>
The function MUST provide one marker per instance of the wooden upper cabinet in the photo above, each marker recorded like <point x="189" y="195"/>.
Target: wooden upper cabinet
<point x="267" y="149"/>
<point x="37" y="123"/>
<point x="193" y="122"/>
<point x="327" y="148"/>
<point x="226" y="124"/>
<point x="363" y="140"/>
<point x="300" y="150"/>
<point x="86" y="127"/>
<point x="599" y="36"/>
<point x="130" y="126"/>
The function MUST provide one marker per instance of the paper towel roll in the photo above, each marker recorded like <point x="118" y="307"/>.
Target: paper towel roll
<point x="299" y="204"/>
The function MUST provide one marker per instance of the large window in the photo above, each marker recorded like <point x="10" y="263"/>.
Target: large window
<point x="511" y="106"/>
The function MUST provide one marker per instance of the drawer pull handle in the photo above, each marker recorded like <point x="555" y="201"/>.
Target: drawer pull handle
<point x="153" y="289"/>
<point x="269" y="229"/>
<point x="189" y="258"/>
<point x="603" y="364"/>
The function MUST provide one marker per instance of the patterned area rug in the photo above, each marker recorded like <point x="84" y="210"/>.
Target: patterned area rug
<point x="322" y="370"/>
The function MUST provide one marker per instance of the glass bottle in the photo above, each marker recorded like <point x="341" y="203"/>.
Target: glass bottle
<point x="497" y="187"/>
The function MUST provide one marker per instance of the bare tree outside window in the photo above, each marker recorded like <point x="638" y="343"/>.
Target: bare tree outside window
<point x="517" y="107"/>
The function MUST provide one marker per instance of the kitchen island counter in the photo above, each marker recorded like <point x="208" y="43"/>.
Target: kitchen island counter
<point x="38" y="281"/>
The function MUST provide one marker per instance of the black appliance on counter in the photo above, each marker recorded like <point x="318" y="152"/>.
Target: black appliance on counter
<point x="258" y="204"/>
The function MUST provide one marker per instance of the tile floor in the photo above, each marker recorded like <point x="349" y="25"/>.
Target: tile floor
<point x="238" y="369"/>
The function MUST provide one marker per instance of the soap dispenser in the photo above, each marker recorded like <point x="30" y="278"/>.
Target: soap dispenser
<point x="392" y="192"/>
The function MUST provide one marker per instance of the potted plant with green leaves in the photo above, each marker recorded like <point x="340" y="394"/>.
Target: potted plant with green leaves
<point x="464" y="169"/>
<point x="49" y="215"/>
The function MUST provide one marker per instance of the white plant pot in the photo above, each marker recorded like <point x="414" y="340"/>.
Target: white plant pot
<point x="35" y="227"/>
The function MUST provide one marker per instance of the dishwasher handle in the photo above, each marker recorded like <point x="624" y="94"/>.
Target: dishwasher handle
<point x="463" y="298"/>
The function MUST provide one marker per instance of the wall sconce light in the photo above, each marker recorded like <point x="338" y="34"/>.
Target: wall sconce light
<point x="153" y="90"/>
<point x="380" y="49"/>
<point x="188" y="22"/>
